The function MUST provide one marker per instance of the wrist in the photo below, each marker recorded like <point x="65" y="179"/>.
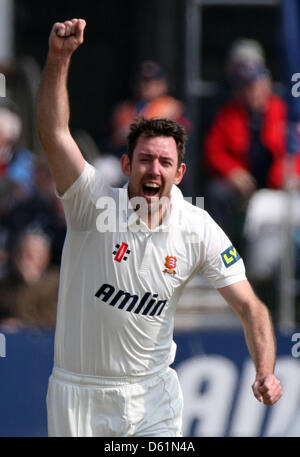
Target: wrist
<point x="264" y="373"/>
<point x="58" y="58"/>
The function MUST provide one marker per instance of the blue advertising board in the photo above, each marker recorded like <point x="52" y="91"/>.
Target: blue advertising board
<point x="24" y="372"/>
<point x="215" y="373"/>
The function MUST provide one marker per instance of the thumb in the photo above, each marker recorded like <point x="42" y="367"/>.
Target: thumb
<point x="256" y="390"/>
<point x="262" y="388"/>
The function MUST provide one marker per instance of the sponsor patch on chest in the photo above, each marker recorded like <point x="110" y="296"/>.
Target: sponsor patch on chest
<point x="148" y="305"/>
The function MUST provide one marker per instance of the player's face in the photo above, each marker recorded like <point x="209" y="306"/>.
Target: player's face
<point x="153" y="169"/>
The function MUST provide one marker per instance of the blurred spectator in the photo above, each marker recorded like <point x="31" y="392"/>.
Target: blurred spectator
<point x="151" y="99"/>
<point x="290" y="41"/>
<point x="31" y="257"/>
<point x="38" y="302"/>
<point x="290" y="46"/>
<point x="246" y="144"/>
<point x="7" y="188"/>
<point x="290" y="31"/>
<point x="16" y="173"/>
<point x="243" y="51"/>
<point x="28" y="293"/>
<point x="15" y="161"/>
<point x="108" y="164"/>
<point x="42" y="210"/>
<point x="110" y="167"/>
<point x="271" y="234"/>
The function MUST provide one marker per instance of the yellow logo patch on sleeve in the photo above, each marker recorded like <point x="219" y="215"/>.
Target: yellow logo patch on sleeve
<point x="230" y="256"/>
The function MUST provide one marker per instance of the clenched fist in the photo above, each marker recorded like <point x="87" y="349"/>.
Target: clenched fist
<point x="267" y="389"/>
<point x="66" y="37"/>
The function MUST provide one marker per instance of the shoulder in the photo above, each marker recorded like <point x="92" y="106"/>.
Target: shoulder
<point x="22" y="156"/>
<point x="124" y="107"/>
<point x="193" y="217"/>
<point x="232" y="111"/>
<point x="165" y="106"/>
<point x="196" y="222"/>
<point x="91" y="182"/>
<point x="168" y="99"/>
<point x="276" y="100"/>
<point x="277" y="104"/>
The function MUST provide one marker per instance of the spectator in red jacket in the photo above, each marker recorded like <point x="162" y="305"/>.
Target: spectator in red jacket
<point x="246" y="144"/>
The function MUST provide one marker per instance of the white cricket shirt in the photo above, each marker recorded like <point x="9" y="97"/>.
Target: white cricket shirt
<point x="119" y="287"/>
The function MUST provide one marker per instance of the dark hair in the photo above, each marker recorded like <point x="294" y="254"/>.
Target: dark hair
<point x="154" y="127"/>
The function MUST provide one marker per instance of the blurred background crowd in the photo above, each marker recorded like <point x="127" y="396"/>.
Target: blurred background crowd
<point x="222" y="69"/>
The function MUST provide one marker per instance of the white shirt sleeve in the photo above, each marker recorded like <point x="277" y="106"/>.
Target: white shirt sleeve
<point x="79" y="200"/>
<point x="221" y="264"/>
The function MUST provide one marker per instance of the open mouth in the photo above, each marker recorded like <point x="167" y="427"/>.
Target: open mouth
<point x="151" y="189"/>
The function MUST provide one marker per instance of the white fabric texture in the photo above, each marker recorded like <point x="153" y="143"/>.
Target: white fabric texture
<point x="87" y="407"/>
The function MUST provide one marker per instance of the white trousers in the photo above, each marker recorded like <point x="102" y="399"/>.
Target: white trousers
<point x="82" y="406"/>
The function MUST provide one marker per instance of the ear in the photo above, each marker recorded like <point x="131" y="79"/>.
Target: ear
<point x="180" y="173"/>
<point x="125" y="165"/>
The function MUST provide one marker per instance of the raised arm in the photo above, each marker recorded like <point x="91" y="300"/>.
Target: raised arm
<point x="259" y="336"/>
<point x="65" y="160"/>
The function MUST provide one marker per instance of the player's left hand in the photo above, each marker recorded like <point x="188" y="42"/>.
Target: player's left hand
<point x="66" y="37"/>
<point x="267" y="389"/>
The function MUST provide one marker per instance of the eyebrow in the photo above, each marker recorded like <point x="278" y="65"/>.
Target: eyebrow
<point x="147" y="154"/>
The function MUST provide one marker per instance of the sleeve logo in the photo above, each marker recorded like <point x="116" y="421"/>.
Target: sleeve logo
<point x="230" y="256"/>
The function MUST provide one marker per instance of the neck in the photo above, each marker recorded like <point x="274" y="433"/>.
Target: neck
<point x="155" y="217"/>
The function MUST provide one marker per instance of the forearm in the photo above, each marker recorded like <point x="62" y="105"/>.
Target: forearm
<point x="260" y="339"/>
<point x="259" y="335"/>
<point x="53" y="112"/>
<point x="65" y="160"/>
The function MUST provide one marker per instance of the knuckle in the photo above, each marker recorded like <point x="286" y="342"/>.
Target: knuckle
<point x="56" y="26"/>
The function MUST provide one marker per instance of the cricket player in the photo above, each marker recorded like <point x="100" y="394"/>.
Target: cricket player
<point x="126" y="259"/>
